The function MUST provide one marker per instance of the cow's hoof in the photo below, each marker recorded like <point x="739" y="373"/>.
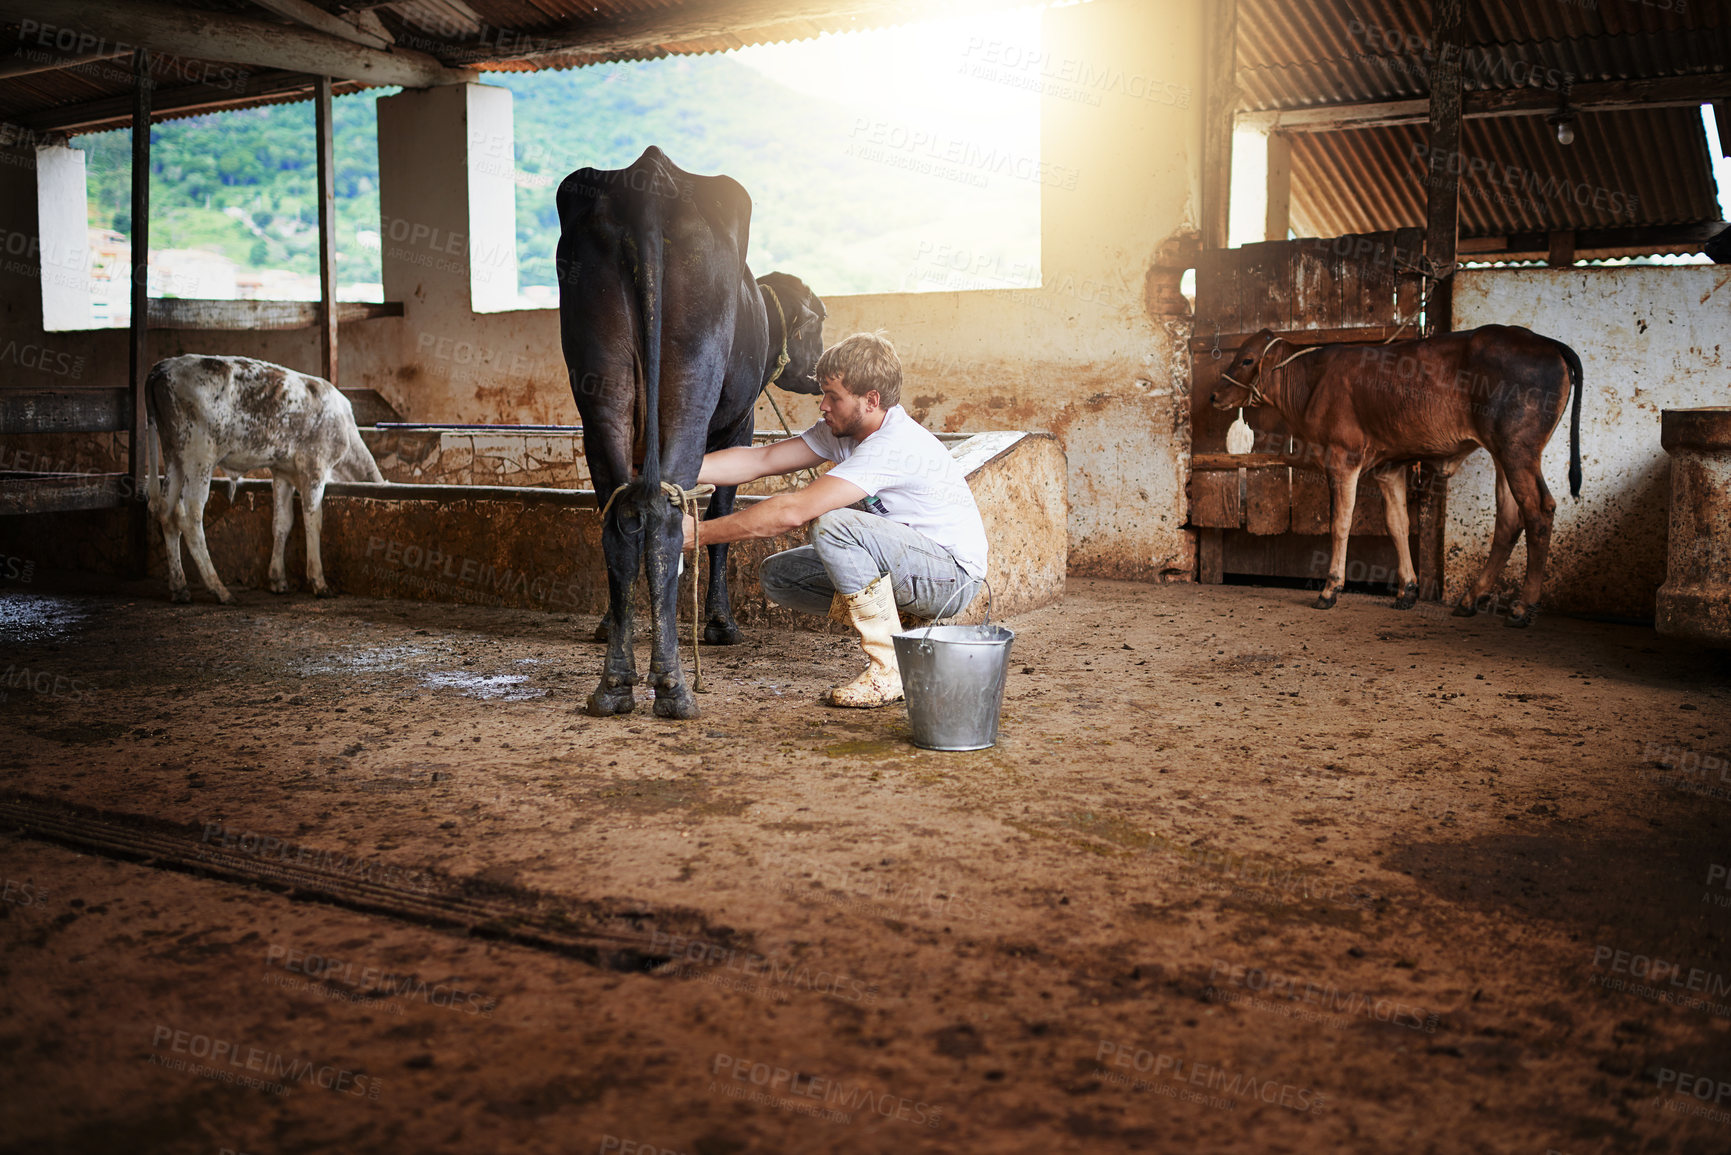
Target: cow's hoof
<point x="723" y="634"/>
<point x="1520" y="619"/>
<point x="1326" y="601"/>
<point x="609" y="700"/>
<point x="180" y="597"/>
<point x="676" y="702"/>
<point x="600" y="634"/>
<point x="323" y="592"/>
<point x="1408" y="597"/>
<point x="279" y="586"/>
<point x="225" y="598"/>
<point x="1465" y="609"/>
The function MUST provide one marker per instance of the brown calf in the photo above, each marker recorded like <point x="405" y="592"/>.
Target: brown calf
<point x="1377" y="408"/>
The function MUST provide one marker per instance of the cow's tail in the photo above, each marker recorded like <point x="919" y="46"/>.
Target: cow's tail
<point x="155" y="383"/>
<point x="651" y="298"/>
<point x="1574" y="363"/>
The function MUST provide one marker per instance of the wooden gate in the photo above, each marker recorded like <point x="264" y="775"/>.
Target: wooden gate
<point x="1258" y="514"/>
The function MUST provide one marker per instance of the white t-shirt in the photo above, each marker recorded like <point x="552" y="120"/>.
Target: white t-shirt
<point x="917" y="480"/>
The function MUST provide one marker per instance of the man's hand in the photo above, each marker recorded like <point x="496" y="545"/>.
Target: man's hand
<point x="690" y="532"/>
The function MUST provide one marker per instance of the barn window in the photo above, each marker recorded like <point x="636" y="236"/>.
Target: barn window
<point x="233" y="212"/>
<point x="901" y="160"/>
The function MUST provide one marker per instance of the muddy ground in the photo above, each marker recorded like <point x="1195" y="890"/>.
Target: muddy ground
<point x="1240" y="876"/>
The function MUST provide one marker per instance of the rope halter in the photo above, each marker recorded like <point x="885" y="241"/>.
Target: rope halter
<point x="781" y="361"/>
<point x="1257" y="396"/>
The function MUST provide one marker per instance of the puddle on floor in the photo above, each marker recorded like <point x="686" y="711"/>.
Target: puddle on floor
<point x="358" y="660"/>
<point x="504" y="687"/>
<point x="32" y="619"/>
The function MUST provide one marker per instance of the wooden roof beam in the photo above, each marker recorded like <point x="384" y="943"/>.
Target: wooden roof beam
<point x="1597" y="96"/>
<point x="217" y="36"/>
<point x="115" y="111"/>
<point x="315" y="17"/>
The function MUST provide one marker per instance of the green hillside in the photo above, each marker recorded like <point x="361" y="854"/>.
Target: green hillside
<point x="242" y="183"/>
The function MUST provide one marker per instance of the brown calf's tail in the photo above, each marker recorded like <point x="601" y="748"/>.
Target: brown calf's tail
<point x="1574" y="420"/>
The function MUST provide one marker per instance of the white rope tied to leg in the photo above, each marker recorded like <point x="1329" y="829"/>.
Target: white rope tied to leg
<point x="685" y="500"/>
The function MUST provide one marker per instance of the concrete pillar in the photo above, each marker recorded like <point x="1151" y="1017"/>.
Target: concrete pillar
<point x="1695" y="601"/>
<point x="447" y="206"/>
<point x="62" y="215"/>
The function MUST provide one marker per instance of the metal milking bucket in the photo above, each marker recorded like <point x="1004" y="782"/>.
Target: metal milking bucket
<point x="953" y="678"/>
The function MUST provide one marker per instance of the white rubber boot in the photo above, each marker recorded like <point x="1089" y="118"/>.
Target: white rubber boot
<point x="872" y="612"/>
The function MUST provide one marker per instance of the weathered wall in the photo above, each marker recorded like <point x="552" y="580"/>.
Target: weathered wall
<point x="1649" y="338"/>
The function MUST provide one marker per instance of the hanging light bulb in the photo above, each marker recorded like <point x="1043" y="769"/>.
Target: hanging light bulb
<point x="1563" y="120"/>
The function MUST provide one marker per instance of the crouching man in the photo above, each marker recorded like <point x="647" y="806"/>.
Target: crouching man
<point x="897" y="532"/>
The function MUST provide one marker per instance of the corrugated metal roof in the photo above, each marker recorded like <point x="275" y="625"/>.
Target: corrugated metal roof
<point x="1516" y="177"/>
<point x="1625" y="169"/>
<point x="1298" y="53"/>
<point x="489" y="35"/>
<point x="1291" y="54"/>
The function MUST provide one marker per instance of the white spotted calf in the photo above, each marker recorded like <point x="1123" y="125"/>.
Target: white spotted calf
<point x="243" y="414"/>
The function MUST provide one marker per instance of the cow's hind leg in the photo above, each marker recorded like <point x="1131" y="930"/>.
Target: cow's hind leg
<point x="1393" y="483"/>
<point x="622" y="549"/>
<point x="282" y="519"/>
<point x="1538" y="508"/>
<point x="1343" y="494"/>
<point x="719" y="628"/>
<point x="1508" y="529"/>
<point x="663" y="540"/>
<point x="168" y="518"/>
<point x="193" y="500"/>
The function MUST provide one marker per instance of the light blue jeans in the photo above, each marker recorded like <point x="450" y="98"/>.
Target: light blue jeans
<point x="850" y="549"/>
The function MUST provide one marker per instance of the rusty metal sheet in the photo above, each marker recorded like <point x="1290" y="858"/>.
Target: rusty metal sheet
<point x="60" y="492"/>
<point x="64" y="410"/>
<point x="1369" y="512"/>
<point x="1309" y="502"/>
<point x="1268" y="500"/>
<point x="1214" y="499"/>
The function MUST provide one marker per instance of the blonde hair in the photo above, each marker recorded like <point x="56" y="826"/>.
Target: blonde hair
<point x="865" y="362"/>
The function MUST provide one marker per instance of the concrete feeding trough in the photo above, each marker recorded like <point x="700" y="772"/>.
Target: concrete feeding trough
<point x="506" y="516"/>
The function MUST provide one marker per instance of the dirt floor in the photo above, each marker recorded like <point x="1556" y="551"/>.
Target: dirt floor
<point x="1239" y="876"/>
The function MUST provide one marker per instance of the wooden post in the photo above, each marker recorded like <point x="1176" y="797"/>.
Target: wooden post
<point x="1279" y="217"/>
<point x="1442" y="237"/>
<point x="327" y="177"/>
<point x="1562" y="245"/>
<point x="1210" y="556"/>
<point x="138" y="438"/>
<point x="1442" y="181"/>
<point x="1220" y="102"/>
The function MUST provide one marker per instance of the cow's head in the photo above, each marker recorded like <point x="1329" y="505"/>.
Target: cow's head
<point x="1237" y="387"/>
<point x="805" y="315"/>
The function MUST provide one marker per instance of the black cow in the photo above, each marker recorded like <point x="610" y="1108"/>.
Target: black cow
<point x="668" y="341"/>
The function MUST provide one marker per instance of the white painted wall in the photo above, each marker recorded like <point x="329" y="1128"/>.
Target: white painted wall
<point x="1649" y="338"/>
